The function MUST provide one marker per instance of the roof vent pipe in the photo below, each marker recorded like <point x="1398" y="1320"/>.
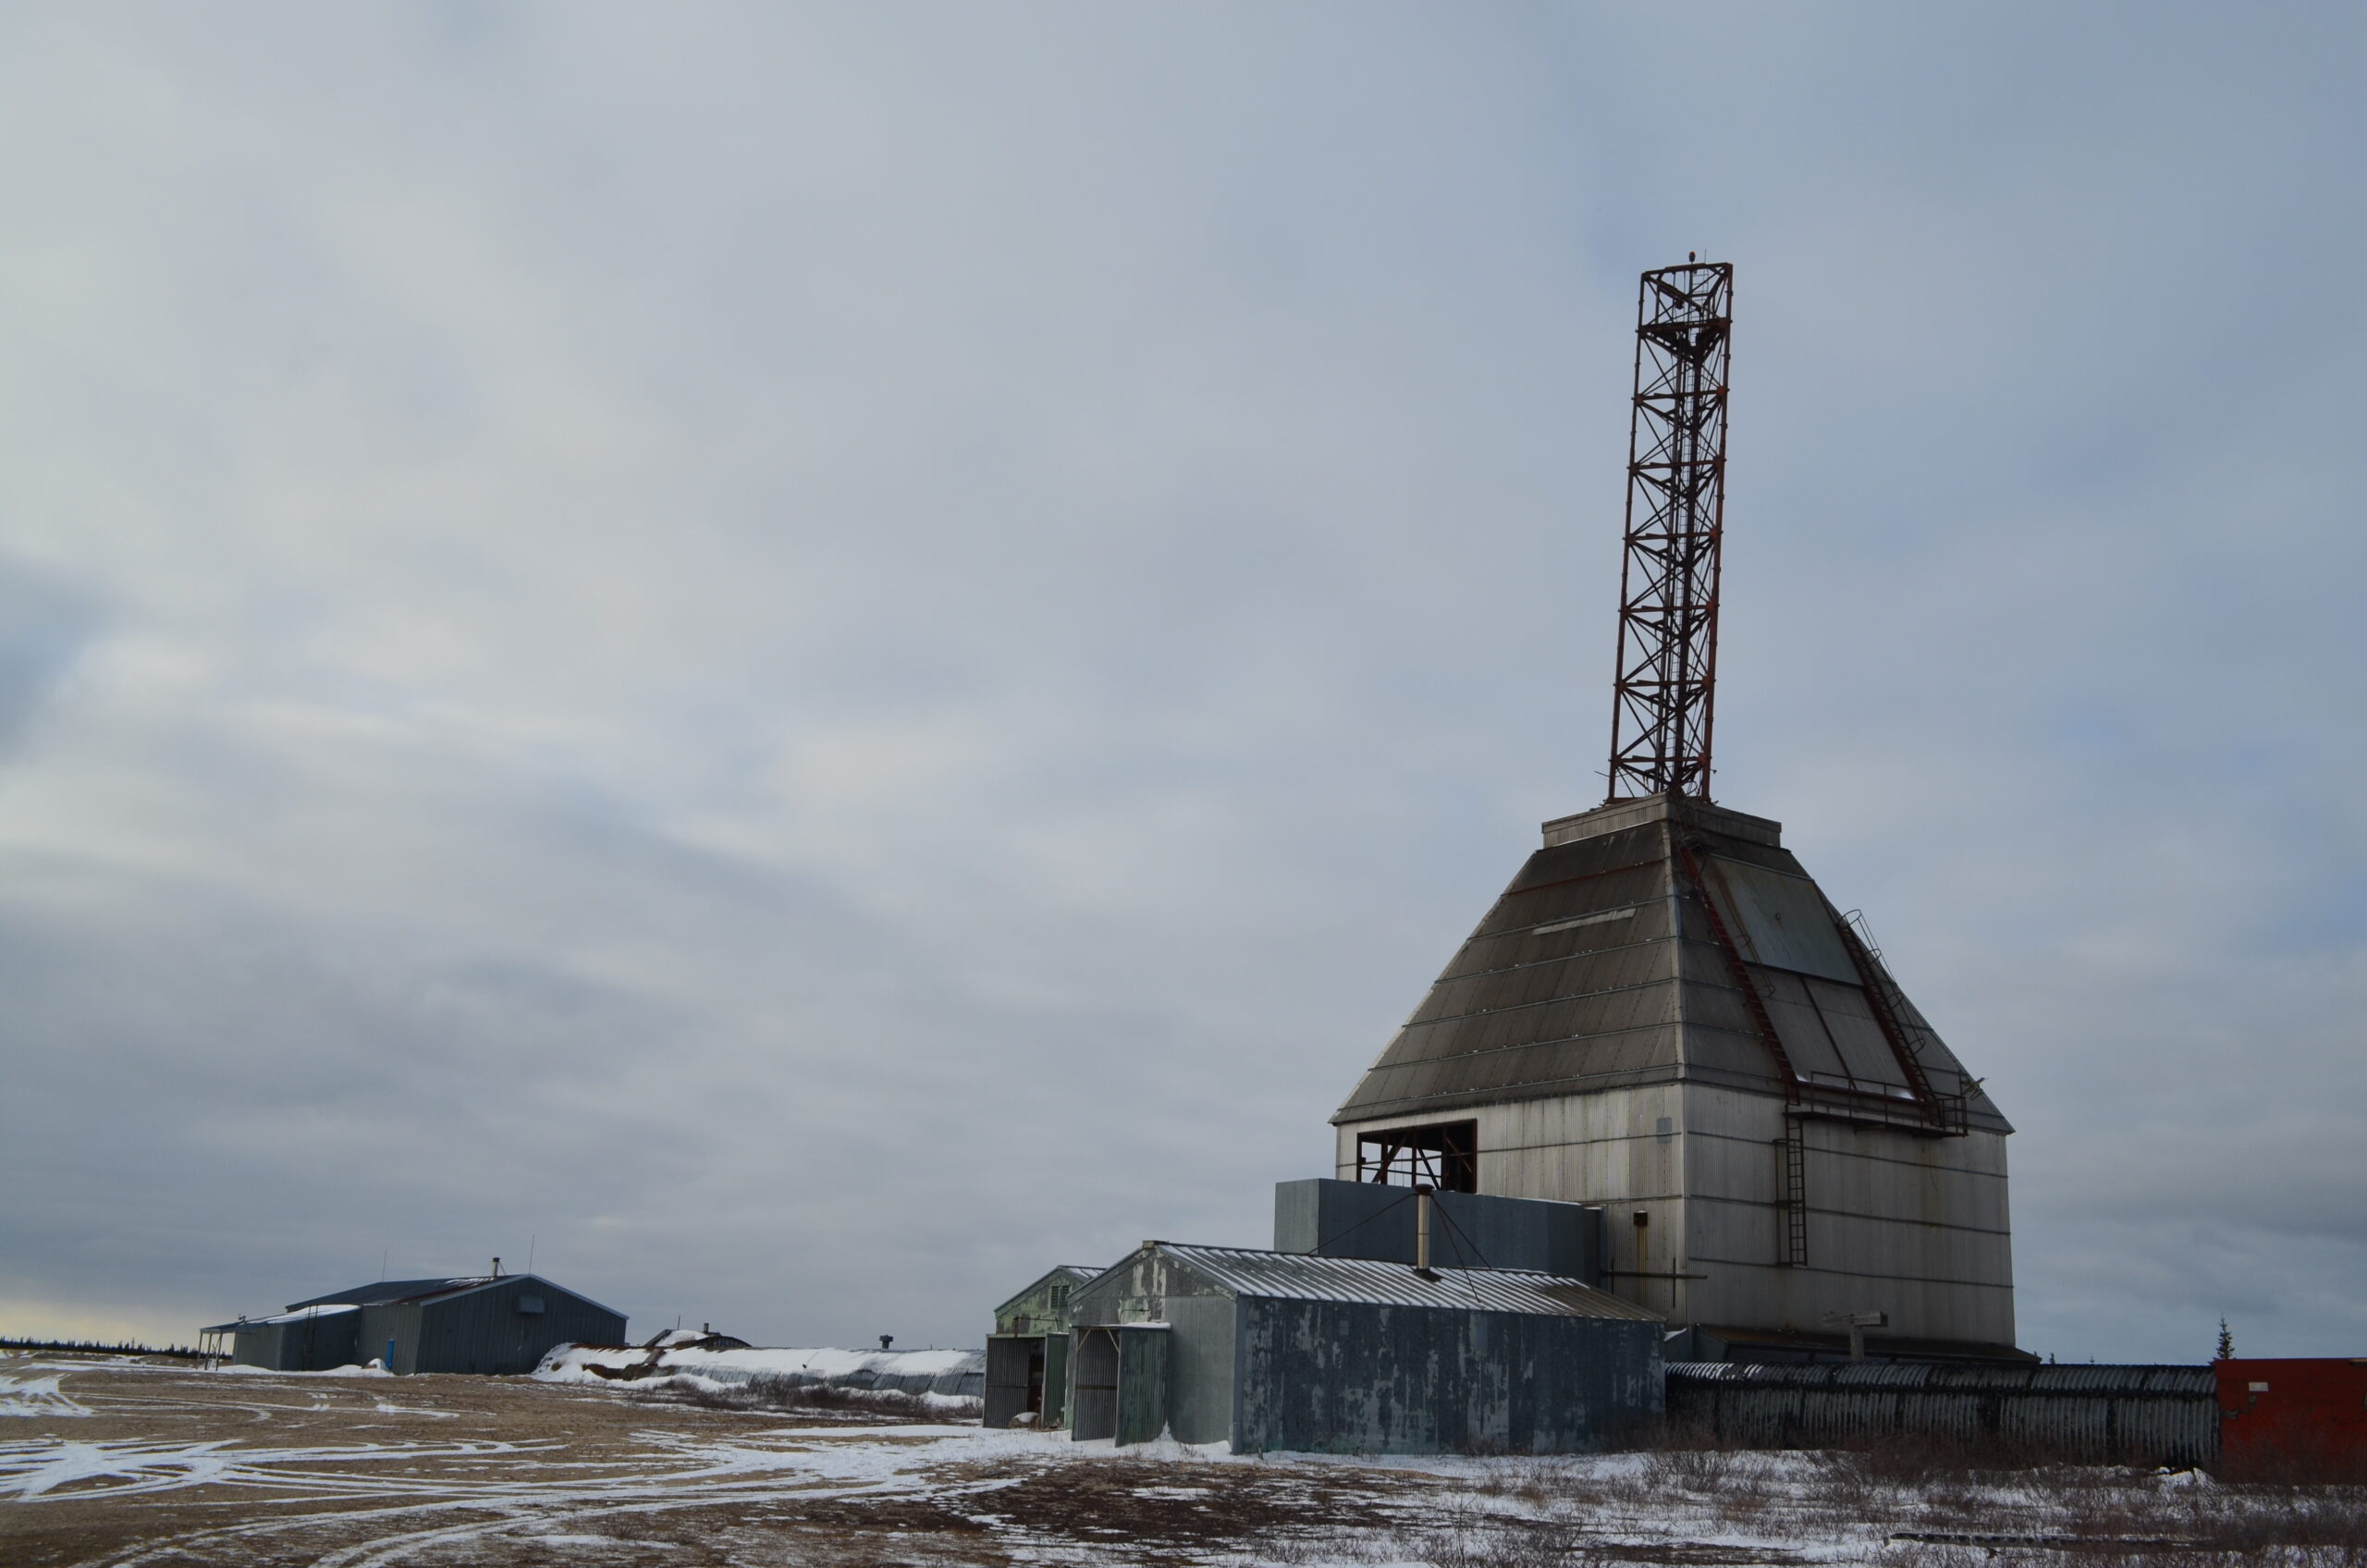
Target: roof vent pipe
<point x="496" y="1267"/>
<point x="1422" y="1233"/>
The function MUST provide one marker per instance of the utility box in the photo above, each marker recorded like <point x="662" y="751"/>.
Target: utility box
<point x="1338" y="1218"/>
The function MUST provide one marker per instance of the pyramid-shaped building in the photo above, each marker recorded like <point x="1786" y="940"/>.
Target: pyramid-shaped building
<point x="1664" y="1015"/>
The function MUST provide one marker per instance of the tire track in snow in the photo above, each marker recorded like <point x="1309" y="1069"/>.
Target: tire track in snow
<point x="37" y="1396"/>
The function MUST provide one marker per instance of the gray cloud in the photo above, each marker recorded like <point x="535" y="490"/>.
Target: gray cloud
<point x="820" y="655"/>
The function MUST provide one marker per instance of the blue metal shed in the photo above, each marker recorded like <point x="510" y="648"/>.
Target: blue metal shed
<point x="488" y="1323"/>
<point x="1281" y="1350"/>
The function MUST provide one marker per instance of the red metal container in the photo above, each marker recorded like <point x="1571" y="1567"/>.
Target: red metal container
<point x="2297" y="1420"/>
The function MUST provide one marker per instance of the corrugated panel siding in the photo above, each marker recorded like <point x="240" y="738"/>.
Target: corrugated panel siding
<point x="1529" y="1002"/>
<point x="1010" y="1359"/>
<point x="1346" y="1377"/>
<point x="1142" y="1381"/>
<point x="259" y="1346"/>
<point x="1543" y="1000"/>
<point x="483" y="1331"/>
<point x="2151" y="1415"/>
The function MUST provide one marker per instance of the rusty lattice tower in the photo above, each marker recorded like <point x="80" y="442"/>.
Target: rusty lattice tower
<point x="1664" y="696"/>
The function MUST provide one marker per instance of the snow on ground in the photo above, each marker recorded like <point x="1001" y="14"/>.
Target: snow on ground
<point x="946" y="1382"/>
<point x="457" y="1470"/>
<point x="573" y="1363"/>
<point x="35" y="1396"/>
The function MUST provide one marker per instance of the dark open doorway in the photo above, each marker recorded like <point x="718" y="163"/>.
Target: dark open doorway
<point x="1445" y="1155"/>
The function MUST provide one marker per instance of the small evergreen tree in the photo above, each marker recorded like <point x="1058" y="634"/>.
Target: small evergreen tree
<point x="2226" y="1342"/>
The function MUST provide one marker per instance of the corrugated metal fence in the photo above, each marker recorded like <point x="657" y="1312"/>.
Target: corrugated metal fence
<point x="2139" y="1414"/>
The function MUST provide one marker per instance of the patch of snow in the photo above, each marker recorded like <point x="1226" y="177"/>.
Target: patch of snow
<point x="853" y="1369"/>
<point x="305" y="1314"/>
<point x="30" y="1470"/>
<point x="36" y="1396"/>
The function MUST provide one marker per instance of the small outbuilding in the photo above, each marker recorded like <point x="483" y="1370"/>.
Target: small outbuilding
<point x="1274" y="1350"/>
<point x="1028" y="1355"/>
<point x="303" y="1339"/>
<point x="486" y="1323"/>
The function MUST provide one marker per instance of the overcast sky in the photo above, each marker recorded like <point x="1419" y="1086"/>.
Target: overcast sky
<point x="808" y="658"/>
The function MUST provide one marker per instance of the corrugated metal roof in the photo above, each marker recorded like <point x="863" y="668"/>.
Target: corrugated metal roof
<point x="1289" y="1275"/>
<point x="1539" y="1000"/>
<point x="386" y="1291"/>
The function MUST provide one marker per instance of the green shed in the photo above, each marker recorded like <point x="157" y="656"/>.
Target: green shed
<point x="1027" y="1354"/>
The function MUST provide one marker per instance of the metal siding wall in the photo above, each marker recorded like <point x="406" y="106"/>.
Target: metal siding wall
<point x="260" y="1346"/>
<point x="1591" y="1148"/>
<point x="2151" y="1413"/>
<point x="1912" y="1226"/>
<point x="1142" y="1382"/>
<point x="322" y="1344"/>
<point x="377" y="1326"/>
<point x="570" y="1319"/>
<point x="482" y="1331"/>
<point x="1199" y="1367"/>
<point x="1363" y="1220"/>
<point x="1056" y="1380"/>
<point x="1007" y="1358"/>
<point x="2292" y="1419"/>
<point x="1093" y="1393"/>
<point x="1332" y="1377"/>
<point x="410" y="1327"/>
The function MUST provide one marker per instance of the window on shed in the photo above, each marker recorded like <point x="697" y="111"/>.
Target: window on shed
<point x="1445" y="1156"/>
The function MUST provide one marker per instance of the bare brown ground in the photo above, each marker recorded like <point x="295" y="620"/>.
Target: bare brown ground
<point x="172" y="1466"/>
<point x="115" y="1464"/>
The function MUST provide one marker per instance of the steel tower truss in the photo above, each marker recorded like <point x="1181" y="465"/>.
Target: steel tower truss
<point x="1676" y="501"/>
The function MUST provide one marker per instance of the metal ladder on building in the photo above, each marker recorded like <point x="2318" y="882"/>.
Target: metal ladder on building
<point x="1796" y="1192"/>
